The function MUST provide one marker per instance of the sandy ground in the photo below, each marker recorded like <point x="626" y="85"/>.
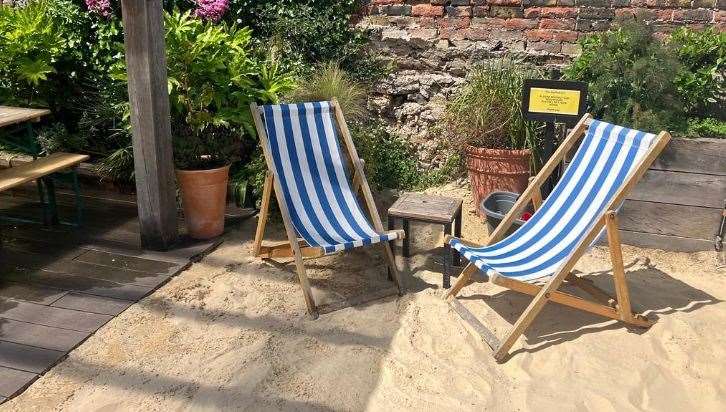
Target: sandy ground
<point x="231" y="333"/>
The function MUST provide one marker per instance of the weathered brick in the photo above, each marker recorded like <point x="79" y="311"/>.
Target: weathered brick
<point x="520" y="24"/>
<point x="592" y="3"/>
<point x="565" y="2"/>
<point x="454" y="22"/>
<point x="620" y="3"/>
<point x="706" y="4"/>
<point x="595" y="13"/>
<point x="487" y="22"/>
<point x="399" y="10"/>
<point x="458" y="11"/>
<point x="550" y="12"/>
<point x="550" y="47"/>
<point x="693" y="15"/>
<point x="504" y="2"/>
<point x="480" y="11"/>
<point x="559" y="24"/>
<point x="382" y="2"/>
<point x="477" y="33"/>
<point x="592" y="25"/>
<point x="720" y="16"/>
<point x="505" y="12"/>
<point x="552" y="35"/>
<point x="460" y="2"/>
<point x="427" y="10"/>
<point x="636" y="12"/>
<point x="571" y="49"/>
<point x="542" y="2"/>
<point x="721" y="4"/>
<point x="661" y="3"/>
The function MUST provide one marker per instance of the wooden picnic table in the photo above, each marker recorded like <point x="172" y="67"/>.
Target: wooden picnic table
<point x="13" y="115"/>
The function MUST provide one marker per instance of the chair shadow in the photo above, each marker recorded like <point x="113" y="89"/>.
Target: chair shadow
<point x="652" y="291"/>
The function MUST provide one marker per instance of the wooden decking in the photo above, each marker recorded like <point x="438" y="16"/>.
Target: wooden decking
<point x="59" y="285"/>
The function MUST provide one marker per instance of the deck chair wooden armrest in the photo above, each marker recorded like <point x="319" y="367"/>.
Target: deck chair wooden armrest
<point x="618" y="155"/>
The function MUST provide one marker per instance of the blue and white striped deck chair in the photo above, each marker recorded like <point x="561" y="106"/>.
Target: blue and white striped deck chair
<point x="315" y="189"/>
<point x="540" y="255"/>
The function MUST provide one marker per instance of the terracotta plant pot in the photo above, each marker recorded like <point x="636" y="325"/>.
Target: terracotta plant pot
<point x="496" y="170"/>
<point x="204" y="197"/>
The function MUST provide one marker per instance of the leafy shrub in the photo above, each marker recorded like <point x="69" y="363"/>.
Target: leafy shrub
<point x="311" y="32"/>
<point x="701" y="82"/>
<point x="487" y="110"/>
<point x="55" y="138"/>
<point x="630" y="76"/>
<point x="708" y="127"/>
<point x="32" y="41"/>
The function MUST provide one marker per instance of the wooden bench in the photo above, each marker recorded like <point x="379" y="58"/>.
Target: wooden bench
<point x="41" y="171"/>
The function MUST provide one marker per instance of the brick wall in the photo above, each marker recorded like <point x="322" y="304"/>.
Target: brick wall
<point x="432" y="43"/>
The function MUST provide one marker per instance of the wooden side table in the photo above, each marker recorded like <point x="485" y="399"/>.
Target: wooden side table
<point x="420" y="207"/>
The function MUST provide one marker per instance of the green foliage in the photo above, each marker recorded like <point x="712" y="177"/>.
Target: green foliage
<point x="630" y="75"/>
<point x="390" y="161"/>
<point x="55" y="138"/>
<point x="487" y="110"/>
<point x="310" y="32"/>
<point x="638" y="81"/>
<point x="32" y="41"/>
<point x="701" y="83"/>
<point x="214" y="74"/>
<point x="329" y="81"/>
<point x="708" y="127"/>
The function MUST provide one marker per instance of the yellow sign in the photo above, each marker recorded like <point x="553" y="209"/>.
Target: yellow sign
<point x="554" y="101"/>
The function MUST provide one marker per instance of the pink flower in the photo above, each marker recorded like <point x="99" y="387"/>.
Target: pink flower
<point x="211" y="9"/>
<point x="101" y="7"/>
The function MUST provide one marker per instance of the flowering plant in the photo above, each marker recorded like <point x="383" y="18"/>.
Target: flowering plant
<point x="211" y="9"/>
<point x="100" y="7"/>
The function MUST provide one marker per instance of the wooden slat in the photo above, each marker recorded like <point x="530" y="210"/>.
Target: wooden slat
<point x="694" y="155"/>
<point x="28" y="358"/>
<point x="680" y="188"/>
<point x="40" y="336"/>
<point x="27" y="172"/>
<point x="13" y="115"/>
<point x="478" y="327"/>
<point x="51" y="316"/>
<point x="665" y="242"/>
<point x="667" y="219"/>
<point x="425" y="207"/>
<point x="12" y="381"/>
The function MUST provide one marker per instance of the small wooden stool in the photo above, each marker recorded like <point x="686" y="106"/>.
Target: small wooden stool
<point x="420" y="207"/>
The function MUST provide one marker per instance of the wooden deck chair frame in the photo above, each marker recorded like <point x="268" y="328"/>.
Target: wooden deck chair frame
<point x="296" y="247"/>
<point x="617" y="307"/>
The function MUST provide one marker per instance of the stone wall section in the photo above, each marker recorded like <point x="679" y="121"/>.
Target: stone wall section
<point x="431" y="44"/>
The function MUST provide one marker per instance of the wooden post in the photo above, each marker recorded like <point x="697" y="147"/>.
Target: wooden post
<point x="149" y="100"/>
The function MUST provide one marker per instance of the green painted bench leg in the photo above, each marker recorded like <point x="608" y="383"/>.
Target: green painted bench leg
<point x="79" y="198"/>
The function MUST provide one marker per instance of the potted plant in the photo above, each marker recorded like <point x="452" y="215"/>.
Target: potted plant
<point x="484" y="120"/>
<point x="213" y="76"/>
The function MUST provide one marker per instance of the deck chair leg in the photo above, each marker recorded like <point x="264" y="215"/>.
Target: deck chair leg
<point x="305" y="284"/>
<point x="264" y="212"/>
<point x="392" y="269"/>
<point x="616" y="257"/>
<point x="461" y="281"/>
<point x="529" y="314"/>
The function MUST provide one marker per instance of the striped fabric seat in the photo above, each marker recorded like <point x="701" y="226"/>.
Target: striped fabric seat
<point x="312" y="172"/>
<point x="604" y="161"/>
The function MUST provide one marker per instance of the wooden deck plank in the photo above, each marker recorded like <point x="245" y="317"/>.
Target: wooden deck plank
<point x="51" y="316"/>
<point x="13" y="380"/>
<point x="130" y="263"/>
<point x="92" y="304"/>
<point x="33" y="294"/>
<point x="28" y="358"/>
<point x="40" y="336"/>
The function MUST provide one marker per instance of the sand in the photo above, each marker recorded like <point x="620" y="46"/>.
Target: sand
<point x="231" y="333"/>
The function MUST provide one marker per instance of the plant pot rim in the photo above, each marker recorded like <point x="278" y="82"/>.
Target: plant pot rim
<point x="509" y="152"/>
<point x="197" y="171"/>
